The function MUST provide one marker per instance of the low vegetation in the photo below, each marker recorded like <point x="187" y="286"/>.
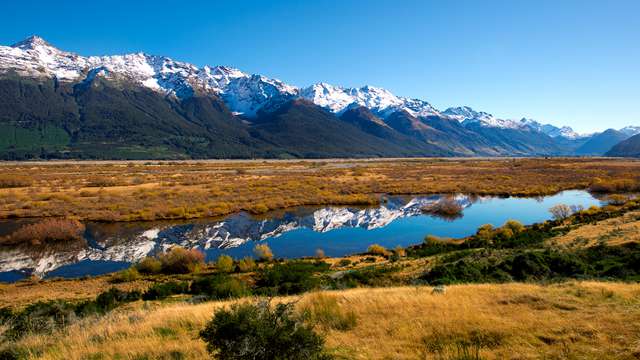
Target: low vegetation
<point x="508" y="289"/>
<point x="262" y="331"/>
<point x="45" y="231"/>
<point x="131" y="191"/>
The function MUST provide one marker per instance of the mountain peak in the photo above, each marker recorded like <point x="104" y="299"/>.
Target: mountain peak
<point x="31" y="43"/>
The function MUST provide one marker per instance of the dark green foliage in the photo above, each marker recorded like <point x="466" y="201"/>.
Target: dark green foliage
<point x="602" y="262"/>
<point x="166" y="289"/>
<point x="219" y="287"/>
<point x="367" y="276"/>
<point x="262" y="331"/>
<point x="291" y="277"/>
<point x="45" y="317"/>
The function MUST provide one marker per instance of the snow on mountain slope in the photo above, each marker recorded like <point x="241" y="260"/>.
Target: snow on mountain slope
<point x="630" y="130"/>
<point x="380" y="101"/>
<point x="467" y="115"/>
<point x="244" y="93"/>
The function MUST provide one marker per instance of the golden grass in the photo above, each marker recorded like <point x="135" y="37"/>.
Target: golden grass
<point x="581" y="320"/>
<point x="25" y="292"/>
<point x="127" y="191"/>
<point x="615" y="231"/>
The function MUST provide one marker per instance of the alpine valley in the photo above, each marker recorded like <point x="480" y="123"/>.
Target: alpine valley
<point x="56" y="104"/>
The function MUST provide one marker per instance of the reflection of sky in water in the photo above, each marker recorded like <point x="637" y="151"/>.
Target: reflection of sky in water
<point x="341" y="241"/>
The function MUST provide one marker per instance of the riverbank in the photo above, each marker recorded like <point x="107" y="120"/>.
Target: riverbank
<point x="586" y="320"/>
<point x="142" y="191"/>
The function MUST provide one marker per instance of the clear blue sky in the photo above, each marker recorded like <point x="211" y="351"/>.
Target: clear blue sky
<point x="574" y="62"/>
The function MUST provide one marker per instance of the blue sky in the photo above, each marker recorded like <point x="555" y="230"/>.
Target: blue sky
<point x="563" y="62"/>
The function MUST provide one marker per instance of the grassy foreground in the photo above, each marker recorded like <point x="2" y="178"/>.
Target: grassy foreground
<point x="580" y="320"/>
<point x="128" y="191"/>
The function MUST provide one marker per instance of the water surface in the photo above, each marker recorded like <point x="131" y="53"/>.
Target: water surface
<point x="293" y="233"/>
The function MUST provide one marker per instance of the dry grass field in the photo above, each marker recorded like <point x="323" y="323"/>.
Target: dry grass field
<point x="615" y="231"/>
<point x="126" y="191"/>
<point x="575" y="320"/>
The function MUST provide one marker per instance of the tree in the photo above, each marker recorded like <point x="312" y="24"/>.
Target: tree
<point x="560" y="211"/>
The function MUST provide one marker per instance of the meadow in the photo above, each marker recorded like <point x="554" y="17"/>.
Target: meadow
<point x="520" y="292"/>
<point x="130" y="191"/>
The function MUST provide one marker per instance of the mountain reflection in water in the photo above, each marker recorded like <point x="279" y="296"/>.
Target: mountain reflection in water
<point x="291" y="233"/>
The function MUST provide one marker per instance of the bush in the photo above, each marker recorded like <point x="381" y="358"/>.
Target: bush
<point x="289" y="278"/>
<point x="47" y="230"/>
<point x="45" y="317"/>
<point x="127" y="275"/>
<point x="515" y="226"/>
<point x="376" y="249"/>
<point x="225" y="264"/>
<point x="149" y="265"/>
<point x="247" y="264"/>
<point x="164" y="290"/>
<point x="446" y="208"/>
<point x="263" y="252"/>
<point x="260" y="331"/>
<point x="560" y="211"/>
<point x="181" y="261"/>
<point x="220" y="287"/>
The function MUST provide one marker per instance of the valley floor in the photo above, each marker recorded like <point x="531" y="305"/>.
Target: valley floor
<point x="130" y="191"/>
<point x="574" y="320"/>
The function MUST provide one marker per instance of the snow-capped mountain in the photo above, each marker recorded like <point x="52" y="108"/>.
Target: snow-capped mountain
<point x="193" y="114"/>
<point x="630" y="130"/>
<point x="378" y="100"/>
<point x="467" y="115"/>
<point x="243" y="93"/>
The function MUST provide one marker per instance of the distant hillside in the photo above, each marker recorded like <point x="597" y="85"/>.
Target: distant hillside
<point x="601" y="143"/>
<point x="627" y="148"/>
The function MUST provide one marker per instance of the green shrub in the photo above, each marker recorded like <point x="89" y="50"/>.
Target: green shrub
<point x="164" y="290"/>
<point x="344" y="262"/>
<point x="219" y="287"/>
<point x="149" y="265"/>
<point x="289" y="278"/>
<point x="45" y="317"/>
<point x="127" y="275"/>
<point x="260" y="331"/>
<point x="225" y="264"/>
<point x="181" y="261"/>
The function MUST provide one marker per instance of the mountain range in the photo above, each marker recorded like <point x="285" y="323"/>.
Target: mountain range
<point x="57" y="104"/>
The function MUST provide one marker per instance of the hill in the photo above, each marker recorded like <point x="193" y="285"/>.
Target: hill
<point x="599" y="144"/>
<point x="627" y="148"/>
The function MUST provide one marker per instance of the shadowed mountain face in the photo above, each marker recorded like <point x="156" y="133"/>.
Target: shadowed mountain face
<point x="626" y="148"/>
<point x="599" y="144"/>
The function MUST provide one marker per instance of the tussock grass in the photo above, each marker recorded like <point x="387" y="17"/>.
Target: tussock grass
<point x="586" y="320"/>
<point x="130" y="191"/>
